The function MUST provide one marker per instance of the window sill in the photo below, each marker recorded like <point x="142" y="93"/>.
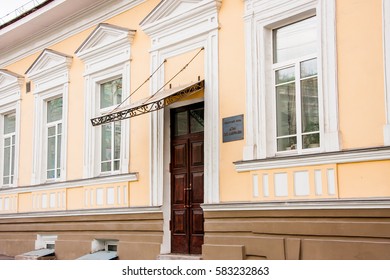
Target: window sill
<point x="127" y="177"/>
<point x="346" y="156"/>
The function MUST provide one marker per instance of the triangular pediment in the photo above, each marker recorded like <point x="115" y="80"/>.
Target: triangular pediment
<point x="103" y="35"/>
<point x="170" y="8"/>
<point x="47" y="60"/>
<point x="8" y="78"/>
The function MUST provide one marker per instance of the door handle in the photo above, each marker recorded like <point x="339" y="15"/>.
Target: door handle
<point x="187" y="197"/>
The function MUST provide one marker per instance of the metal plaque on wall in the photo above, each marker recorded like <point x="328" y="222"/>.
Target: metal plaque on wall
<point x="233" y="128"/>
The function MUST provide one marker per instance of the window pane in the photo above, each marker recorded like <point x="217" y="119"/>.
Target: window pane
<point x="111" y="93"/>
<point x="9" y="124"/>
<point x="106" y="142"/>
<point x="311" y="140"/>
<point x="106" y="166"/>
<point x="309" y="96"/>
<point x="117" y="140"/>
<point x="6" y="180"/>
<point x="7" y="142"/>
<point x="50" y="174"/>
<point x="309" y="68"/>
<point x="181" y="123"/>
<point x="288" y="143"/>
<point x="58" y="151"/>
<point x="7" y="160"/>
<point x="51" y="150"/>
<point x="285" y="110"/>
<point x="116" y="165"/>
<point x="295" y="40"/>
<point x="51" y="131"/>
<point x="197" y="120"/>
<point x="285" y="75"/>
<point x="54" y="110"/>
<point x="13" y="160"/>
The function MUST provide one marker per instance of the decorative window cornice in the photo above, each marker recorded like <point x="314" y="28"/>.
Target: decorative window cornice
<point x="107" y="45"/>
<point x="182" y="19"/>
<point x="10" y="86"/>
<point x="49" y="70"/>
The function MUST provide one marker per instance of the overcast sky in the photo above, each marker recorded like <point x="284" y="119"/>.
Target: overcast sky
<point x="8" y="6"/>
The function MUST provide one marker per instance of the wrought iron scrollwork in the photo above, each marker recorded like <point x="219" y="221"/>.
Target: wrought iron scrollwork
<point x="150" y="106"/>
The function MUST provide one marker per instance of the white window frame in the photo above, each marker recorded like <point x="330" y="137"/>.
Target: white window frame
<point x="105" y="59"/>
<point x="50" y="76"/>
<point x="12" y="148"/>
<point x="46" y="137"/>
<point x="92" y="145"/>
<point x="261" y="17"/>
<point x="40" y="135"/>
<point x="10" y="92"/>
<point x="99" y="145"/>
<point x="298" y="114"/>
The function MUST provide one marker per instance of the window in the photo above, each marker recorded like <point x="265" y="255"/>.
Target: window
<point x="10" y="89"/>
<point x="291" y="92"/>
<point x="9" y="149"/>
<point x="54" y="134"/>
<point x="50" y="77"/>
<point x="106" y="55"/>
<point x="110" y="97"/>
<point x="296" y="86"/>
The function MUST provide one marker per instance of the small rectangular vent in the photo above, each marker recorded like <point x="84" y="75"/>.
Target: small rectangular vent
<point x="28" y="87"/>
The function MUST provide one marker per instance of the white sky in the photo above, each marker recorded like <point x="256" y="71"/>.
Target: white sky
<point x="8" y="6"/>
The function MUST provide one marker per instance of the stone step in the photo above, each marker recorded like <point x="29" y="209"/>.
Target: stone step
<point x="179" y="257"/>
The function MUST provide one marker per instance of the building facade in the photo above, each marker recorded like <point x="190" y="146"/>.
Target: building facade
<point x="248" y="129"/>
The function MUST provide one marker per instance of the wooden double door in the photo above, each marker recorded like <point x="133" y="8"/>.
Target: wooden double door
<point x="187" y="179"/>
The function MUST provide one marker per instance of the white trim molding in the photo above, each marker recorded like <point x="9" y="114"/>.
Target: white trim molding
<point x="87" y="212"/>
<point x="10" y="95"/>
<point x="350" y="156"/>
<point x="260" y="18"/>
<point x="386" y="50"/>
<point x="339" y="204"/>
<point x="130" y="177"/>
<point x="106" y="54"/>
<point x="50" y="75"/>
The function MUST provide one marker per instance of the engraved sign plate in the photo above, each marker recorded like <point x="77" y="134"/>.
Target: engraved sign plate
<point x="233" y="128"/>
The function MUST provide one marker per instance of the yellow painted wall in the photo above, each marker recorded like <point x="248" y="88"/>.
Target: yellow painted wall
<point x="25" y="202"/>
<point x="360" y="72"/>
<point x="367" y="179"/>
<point x="174" y="65"/>
<point x="74" y="198"/>
<point x="233" y="186"/>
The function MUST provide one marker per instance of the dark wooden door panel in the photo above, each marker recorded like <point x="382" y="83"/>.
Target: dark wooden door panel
<point x="197" y="179"/>
<point x="178" y="185"/>
<point x="197" y="155"/>
<point x="187" y="180"/>
<point x="180" y="221"/>
<point x="179" y="159"/>
<point x="197" y="221"/>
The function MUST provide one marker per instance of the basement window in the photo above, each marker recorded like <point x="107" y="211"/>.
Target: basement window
<point x="102" y="250"/>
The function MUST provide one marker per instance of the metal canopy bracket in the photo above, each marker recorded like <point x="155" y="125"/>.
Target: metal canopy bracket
<point x="156" y="102"/>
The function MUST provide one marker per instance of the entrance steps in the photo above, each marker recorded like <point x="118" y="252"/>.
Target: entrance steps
<point x="179" y="257"/>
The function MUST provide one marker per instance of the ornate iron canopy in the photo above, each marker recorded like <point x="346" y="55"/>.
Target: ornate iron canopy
<point x="150" y="104"/>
